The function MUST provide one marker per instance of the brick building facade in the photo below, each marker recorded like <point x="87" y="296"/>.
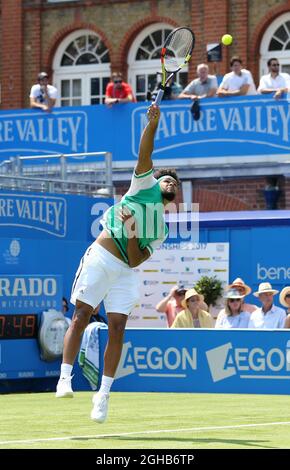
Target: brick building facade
<point x="31" y="32"/>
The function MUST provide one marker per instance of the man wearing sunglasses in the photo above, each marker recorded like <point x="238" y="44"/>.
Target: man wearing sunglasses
<point x="275" y="81"/>
<point x="118" y="91"/>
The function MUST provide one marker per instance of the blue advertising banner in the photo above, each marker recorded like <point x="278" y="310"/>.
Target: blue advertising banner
<point x="35" y="212"/>
<point x="22" y="293"/>
<point x="50" y="216"/>
<point x="63" y="131"/>
<point x="210" y="361"/>
<point x="233" y="127"/>
<point x="20" y="359"/>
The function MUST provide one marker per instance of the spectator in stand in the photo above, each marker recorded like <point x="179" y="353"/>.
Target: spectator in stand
<point x="285" y="301"/>
<point x="238" y="82"/>
<point x="42" y="95"/>
<point x="192" y="316"/>
<point x="275" y="81"/>
<point x="233" y="315"/>
<point x="268" y="316"/>
<point x="171" y="304"/>
<point x="245" y="290"/>
<point x="205" y="86"/>
<point x="118" y="91"/>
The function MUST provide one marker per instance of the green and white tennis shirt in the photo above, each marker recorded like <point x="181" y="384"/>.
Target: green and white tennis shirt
<point x="144" y="201"/>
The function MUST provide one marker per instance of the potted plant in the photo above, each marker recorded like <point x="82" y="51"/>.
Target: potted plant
<point x="211" y="288"/>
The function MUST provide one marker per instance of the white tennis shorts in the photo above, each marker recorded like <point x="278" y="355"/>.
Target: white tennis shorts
<point x="102" y="276"/>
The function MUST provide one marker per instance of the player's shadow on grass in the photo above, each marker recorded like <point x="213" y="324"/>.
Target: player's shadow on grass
<point x="238" y="442"/>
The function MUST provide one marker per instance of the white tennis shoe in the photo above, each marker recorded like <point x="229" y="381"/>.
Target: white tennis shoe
<point x="100" y="409"/>
<point x="63" y="388"/>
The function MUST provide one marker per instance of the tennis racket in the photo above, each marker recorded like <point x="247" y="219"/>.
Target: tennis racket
<point x="175" y="54"/>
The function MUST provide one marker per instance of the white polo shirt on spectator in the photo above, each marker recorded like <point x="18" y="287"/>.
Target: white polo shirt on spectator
<point x="232" y="81"/>
<point x="268" y="82"/>
<point x="199" y="88"/>
<point x="274" y="318"/>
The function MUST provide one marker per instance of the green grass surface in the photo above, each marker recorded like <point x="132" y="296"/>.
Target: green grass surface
<point x="135" y="419"/>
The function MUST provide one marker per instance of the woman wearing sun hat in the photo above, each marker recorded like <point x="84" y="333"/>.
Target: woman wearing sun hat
<point x="233" y="315"/>
<point x="193" y="316"/>
<point x="284" y="298"/>
<point x="268" y="316"/>
<point x="245" y="290"/>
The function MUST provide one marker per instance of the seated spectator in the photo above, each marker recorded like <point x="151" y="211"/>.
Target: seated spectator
<point x="245" y="290"/>
<point x="268" y="316"/>
<point x="171" y="304"/>
<point x="275" y="81"/>
<point x="192" y="316"/>
<point x="233" y="315"/>
<point x="239" y="82"/>
<point x="285" y="301"/>
<point x="205" y="86"/>
<point x="118" y="91"/>
<point x="42" y="95"/>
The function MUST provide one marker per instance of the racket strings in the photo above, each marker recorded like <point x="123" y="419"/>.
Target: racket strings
<point x="178" y="48"/>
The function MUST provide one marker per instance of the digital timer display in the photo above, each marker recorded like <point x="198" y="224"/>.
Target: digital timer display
<point x="15" y="326"/>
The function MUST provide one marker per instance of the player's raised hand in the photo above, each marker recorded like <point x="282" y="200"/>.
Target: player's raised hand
<point x="153" y="113"/>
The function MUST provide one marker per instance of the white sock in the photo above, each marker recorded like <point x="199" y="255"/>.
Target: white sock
<point x="106" y="384"/>
<point x="65" y="370"/>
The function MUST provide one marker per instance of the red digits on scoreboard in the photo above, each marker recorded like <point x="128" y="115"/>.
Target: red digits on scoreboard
<point x="2" y="325"/>
<point x="30" y="325"/>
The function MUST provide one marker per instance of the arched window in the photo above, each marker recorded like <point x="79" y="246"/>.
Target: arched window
<point x="276" y="43"/>
<point x="81" y="69"/>
<point x="144" y="60"/>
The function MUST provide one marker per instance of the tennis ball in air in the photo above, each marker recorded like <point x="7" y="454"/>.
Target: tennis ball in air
<point x="227" y="39"/>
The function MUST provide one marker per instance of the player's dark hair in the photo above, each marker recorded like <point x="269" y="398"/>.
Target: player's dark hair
<point x="167" y="172"/>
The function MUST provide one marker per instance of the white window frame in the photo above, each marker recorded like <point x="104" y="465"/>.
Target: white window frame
<point x="144" y="67"/>
<point x="265" y="54"/>
<point x="83" y="72"/>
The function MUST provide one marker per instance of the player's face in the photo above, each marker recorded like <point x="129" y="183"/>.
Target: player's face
<point x="169" y="188"/>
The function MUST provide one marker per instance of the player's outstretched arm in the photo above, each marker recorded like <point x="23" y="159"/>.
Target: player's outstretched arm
<point x="147" y="141"/>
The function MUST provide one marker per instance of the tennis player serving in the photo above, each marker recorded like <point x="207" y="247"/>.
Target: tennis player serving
<point x="132" y="229"/>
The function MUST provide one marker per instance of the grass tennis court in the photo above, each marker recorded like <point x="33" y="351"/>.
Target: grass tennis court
<point x="146" y="421"/>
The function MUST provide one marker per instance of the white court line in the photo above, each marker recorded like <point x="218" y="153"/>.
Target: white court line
<point x="134" y="433"/>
